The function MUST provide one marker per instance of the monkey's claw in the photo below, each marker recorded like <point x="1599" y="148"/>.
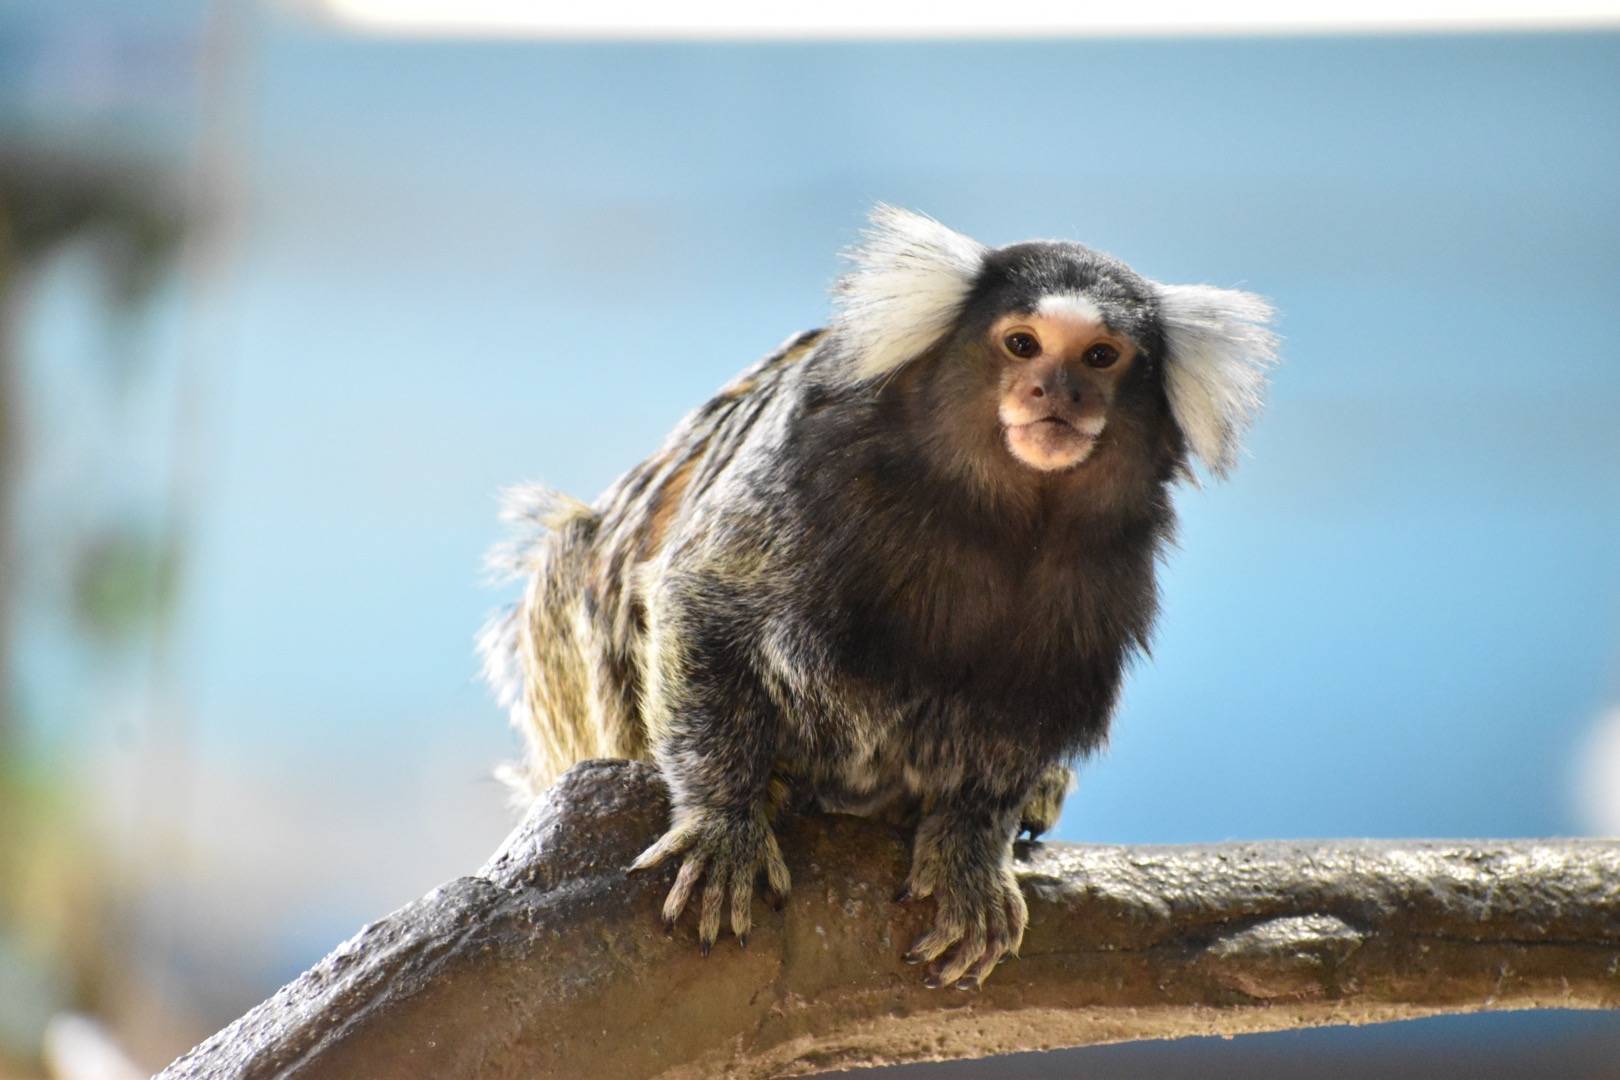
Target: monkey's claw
<point x="727" y="852"/>
<point x="979" y="921"/>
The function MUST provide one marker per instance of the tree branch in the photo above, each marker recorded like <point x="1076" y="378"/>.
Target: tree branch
<point x="550" y="961"/>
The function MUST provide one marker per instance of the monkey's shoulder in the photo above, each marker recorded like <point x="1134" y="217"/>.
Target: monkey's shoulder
<point x="695" y="470"/>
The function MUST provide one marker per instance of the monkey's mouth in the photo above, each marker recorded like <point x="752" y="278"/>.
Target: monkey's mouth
<point x="1049" y="443"/>
<point x="1053" y="427"/>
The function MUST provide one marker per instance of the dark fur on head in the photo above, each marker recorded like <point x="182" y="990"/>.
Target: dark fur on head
<point x="838" y="583"/>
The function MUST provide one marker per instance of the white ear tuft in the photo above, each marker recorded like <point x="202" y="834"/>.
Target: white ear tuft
<point x="909" y="278"/>
<point x="1220" y="344"/>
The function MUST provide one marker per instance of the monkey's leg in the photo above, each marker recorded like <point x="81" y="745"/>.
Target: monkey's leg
<point x="1045" y="801"/>
<point x="962" y="856"/>
<point x="717" y="752"/>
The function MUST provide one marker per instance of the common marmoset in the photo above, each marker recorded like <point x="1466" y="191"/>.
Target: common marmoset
<point x="897" y="566"/>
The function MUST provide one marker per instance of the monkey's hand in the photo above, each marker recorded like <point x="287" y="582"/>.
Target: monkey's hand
<point x="727" y="850"/>
<point x="978" y="907"/>
<point x="1045" y="801"/>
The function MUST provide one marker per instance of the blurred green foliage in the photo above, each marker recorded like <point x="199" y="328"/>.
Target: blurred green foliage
<point x="124" y="581"/>
<point x="55" y="887"/>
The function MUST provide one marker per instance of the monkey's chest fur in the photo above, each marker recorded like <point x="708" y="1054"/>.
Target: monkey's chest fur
<point x="951" y="657"/>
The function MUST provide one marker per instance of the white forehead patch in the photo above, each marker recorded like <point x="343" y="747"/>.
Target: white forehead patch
<point x="1072" y="305"/>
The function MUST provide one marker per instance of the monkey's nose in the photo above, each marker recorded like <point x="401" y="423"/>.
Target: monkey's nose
<point x="1037" y="391"/>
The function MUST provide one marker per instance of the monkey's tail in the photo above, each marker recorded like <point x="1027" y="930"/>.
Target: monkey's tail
<point x="535" y="513"/>
<point x="499" y="645"/>
<point x="538" y="516"/>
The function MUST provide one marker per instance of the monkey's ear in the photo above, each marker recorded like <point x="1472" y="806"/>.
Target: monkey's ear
<point x="1220" y="344"/>
<point x="905" y="288"/>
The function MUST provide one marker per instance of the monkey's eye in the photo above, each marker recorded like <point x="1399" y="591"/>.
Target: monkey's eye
<point x="1101" y="356"/>
<point x="1022" y="345"/>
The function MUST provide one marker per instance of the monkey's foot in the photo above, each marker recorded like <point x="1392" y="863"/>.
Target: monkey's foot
<point x="981" y="912"/>
<point x="1045" y="802"/>
<point x="728" y="852"/>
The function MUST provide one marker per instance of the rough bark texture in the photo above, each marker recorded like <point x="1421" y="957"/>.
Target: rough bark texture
<point x="550" y="961"/>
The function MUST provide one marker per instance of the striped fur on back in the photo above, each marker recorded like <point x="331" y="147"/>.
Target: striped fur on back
<point x="566" y="660"/>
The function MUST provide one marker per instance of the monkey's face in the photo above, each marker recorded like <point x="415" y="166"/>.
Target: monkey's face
<point x="1046" y="368"/>
<point x="1060" y="371"/>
